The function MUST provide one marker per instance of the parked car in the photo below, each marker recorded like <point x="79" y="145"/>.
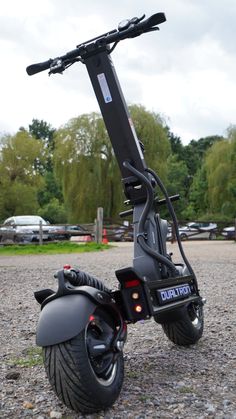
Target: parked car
<point x="24" y="228"/>
<point x="129" y="235"/>
<point x="58" y="232"/>
<point x="198" y="231"/>
<point x="116" y="234"/>
<point x="79" y="233"/>
<point x="229" y="233"/>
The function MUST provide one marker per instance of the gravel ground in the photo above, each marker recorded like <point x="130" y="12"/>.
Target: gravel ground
<point x="161" y="379"/>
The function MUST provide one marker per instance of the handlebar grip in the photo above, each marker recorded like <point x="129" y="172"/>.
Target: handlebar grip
<point x="37" y="68"/>
<point x="155" y="19"/>
<point x="152" y="21"/>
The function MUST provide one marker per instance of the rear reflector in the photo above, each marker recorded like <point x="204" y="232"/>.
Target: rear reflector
<point x="132" y="283"/>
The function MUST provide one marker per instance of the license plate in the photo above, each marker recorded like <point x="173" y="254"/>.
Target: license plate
<point x="178" y="292"/>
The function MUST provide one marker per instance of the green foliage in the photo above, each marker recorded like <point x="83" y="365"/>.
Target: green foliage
<point x="177" y="147"/>
<point x="54" y="212"/>
<point x="221" y="176"/>
<point x="19" y="178"/>
<point x="43" y="131"/>
<point x="65" y="174"/>
<point x="86" y="167"/>
<point x="197" y="195"/>
<point x="194" y="152"/>
<point x="50" y="190"/>
<point x="212" y="195"/>
<point x="177" y="181"/>
<point x="151" y="131"/>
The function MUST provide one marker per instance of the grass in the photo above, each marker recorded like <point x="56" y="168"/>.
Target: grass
<point x="51" y="248"/>
<point x="33" y="357"/>
<point x="186" y="389"/>
<point x="132" y="374"/>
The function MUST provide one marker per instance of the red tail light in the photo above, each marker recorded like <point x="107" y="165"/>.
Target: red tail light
<point x="132" y="283"/>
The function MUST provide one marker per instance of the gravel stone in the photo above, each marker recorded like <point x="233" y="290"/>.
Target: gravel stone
<point x="12" y="375"/>
<point x="161" y="380"/>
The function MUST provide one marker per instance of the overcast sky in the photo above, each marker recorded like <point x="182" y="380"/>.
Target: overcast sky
<point x="186" y="71"/>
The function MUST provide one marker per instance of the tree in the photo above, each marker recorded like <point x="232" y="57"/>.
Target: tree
<point x="44" y="132"/>
<point x="41" y="130"/>
<point x="198" y="196"/>
<point x="195" y="151"/>
<point x="86" y="167"/>
<point x="54" y="212"/>
<point x="19" y="178"/>
<point x="177" y="182"/>
<point x="151" y="131"/>
<point x="177" y="147"/>
<point x="221" y="176"/>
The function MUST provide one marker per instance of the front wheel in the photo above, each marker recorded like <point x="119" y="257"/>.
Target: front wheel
<point x="189" y="328"/>
<point x="85" y="372"/>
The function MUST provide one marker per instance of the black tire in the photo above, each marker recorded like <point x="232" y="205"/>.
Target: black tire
<point x="188" y="329"/>
<point x="85" y="382"/>
<point x="183" y="236"/>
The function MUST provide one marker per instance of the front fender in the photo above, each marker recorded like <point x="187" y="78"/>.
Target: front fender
<point x="63" y="318"/>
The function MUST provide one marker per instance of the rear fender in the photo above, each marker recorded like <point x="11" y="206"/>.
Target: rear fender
<point x="63" y="318"/>
<point x="66" y="313"/>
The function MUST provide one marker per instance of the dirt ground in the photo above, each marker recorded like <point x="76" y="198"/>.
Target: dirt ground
<point x="161" y="380"/>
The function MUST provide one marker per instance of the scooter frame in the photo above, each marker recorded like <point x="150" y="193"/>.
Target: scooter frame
<point x="153" y="272"/>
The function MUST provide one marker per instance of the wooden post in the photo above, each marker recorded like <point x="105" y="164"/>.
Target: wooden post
<point x="40" y="232"/>
<point x="99" y="224"/>
<point x="95" y="230"/>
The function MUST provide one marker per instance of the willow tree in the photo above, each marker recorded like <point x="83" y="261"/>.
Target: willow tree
<point x="87" y="169"/>
<point x="221" y="176"/>
<point x="85" y="166"/>
<point x="152" y="133"/>
<point x="19" y="177"/>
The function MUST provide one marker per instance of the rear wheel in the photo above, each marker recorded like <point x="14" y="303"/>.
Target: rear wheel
<point x="189" y="328"/>
<point x="85" y="372"/>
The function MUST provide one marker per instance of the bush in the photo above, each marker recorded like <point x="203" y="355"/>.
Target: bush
<point x="54" y="212"/>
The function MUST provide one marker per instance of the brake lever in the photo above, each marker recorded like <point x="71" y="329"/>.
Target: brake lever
<point x="57" y="66"/>
<point x="133" y="35"/>
<point x="136" y="20"/>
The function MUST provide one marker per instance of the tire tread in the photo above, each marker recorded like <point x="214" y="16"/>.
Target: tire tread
<point x="183" y="332"/>
<point x="66" y="365"/>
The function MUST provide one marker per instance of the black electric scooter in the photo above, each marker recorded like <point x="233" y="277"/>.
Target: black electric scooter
<point x="83" y="325"/>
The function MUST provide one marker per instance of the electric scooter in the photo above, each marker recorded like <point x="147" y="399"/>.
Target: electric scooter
<point x="82" y="326"/>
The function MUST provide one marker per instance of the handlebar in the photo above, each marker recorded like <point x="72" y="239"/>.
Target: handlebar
<point x="126" y="29"/>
